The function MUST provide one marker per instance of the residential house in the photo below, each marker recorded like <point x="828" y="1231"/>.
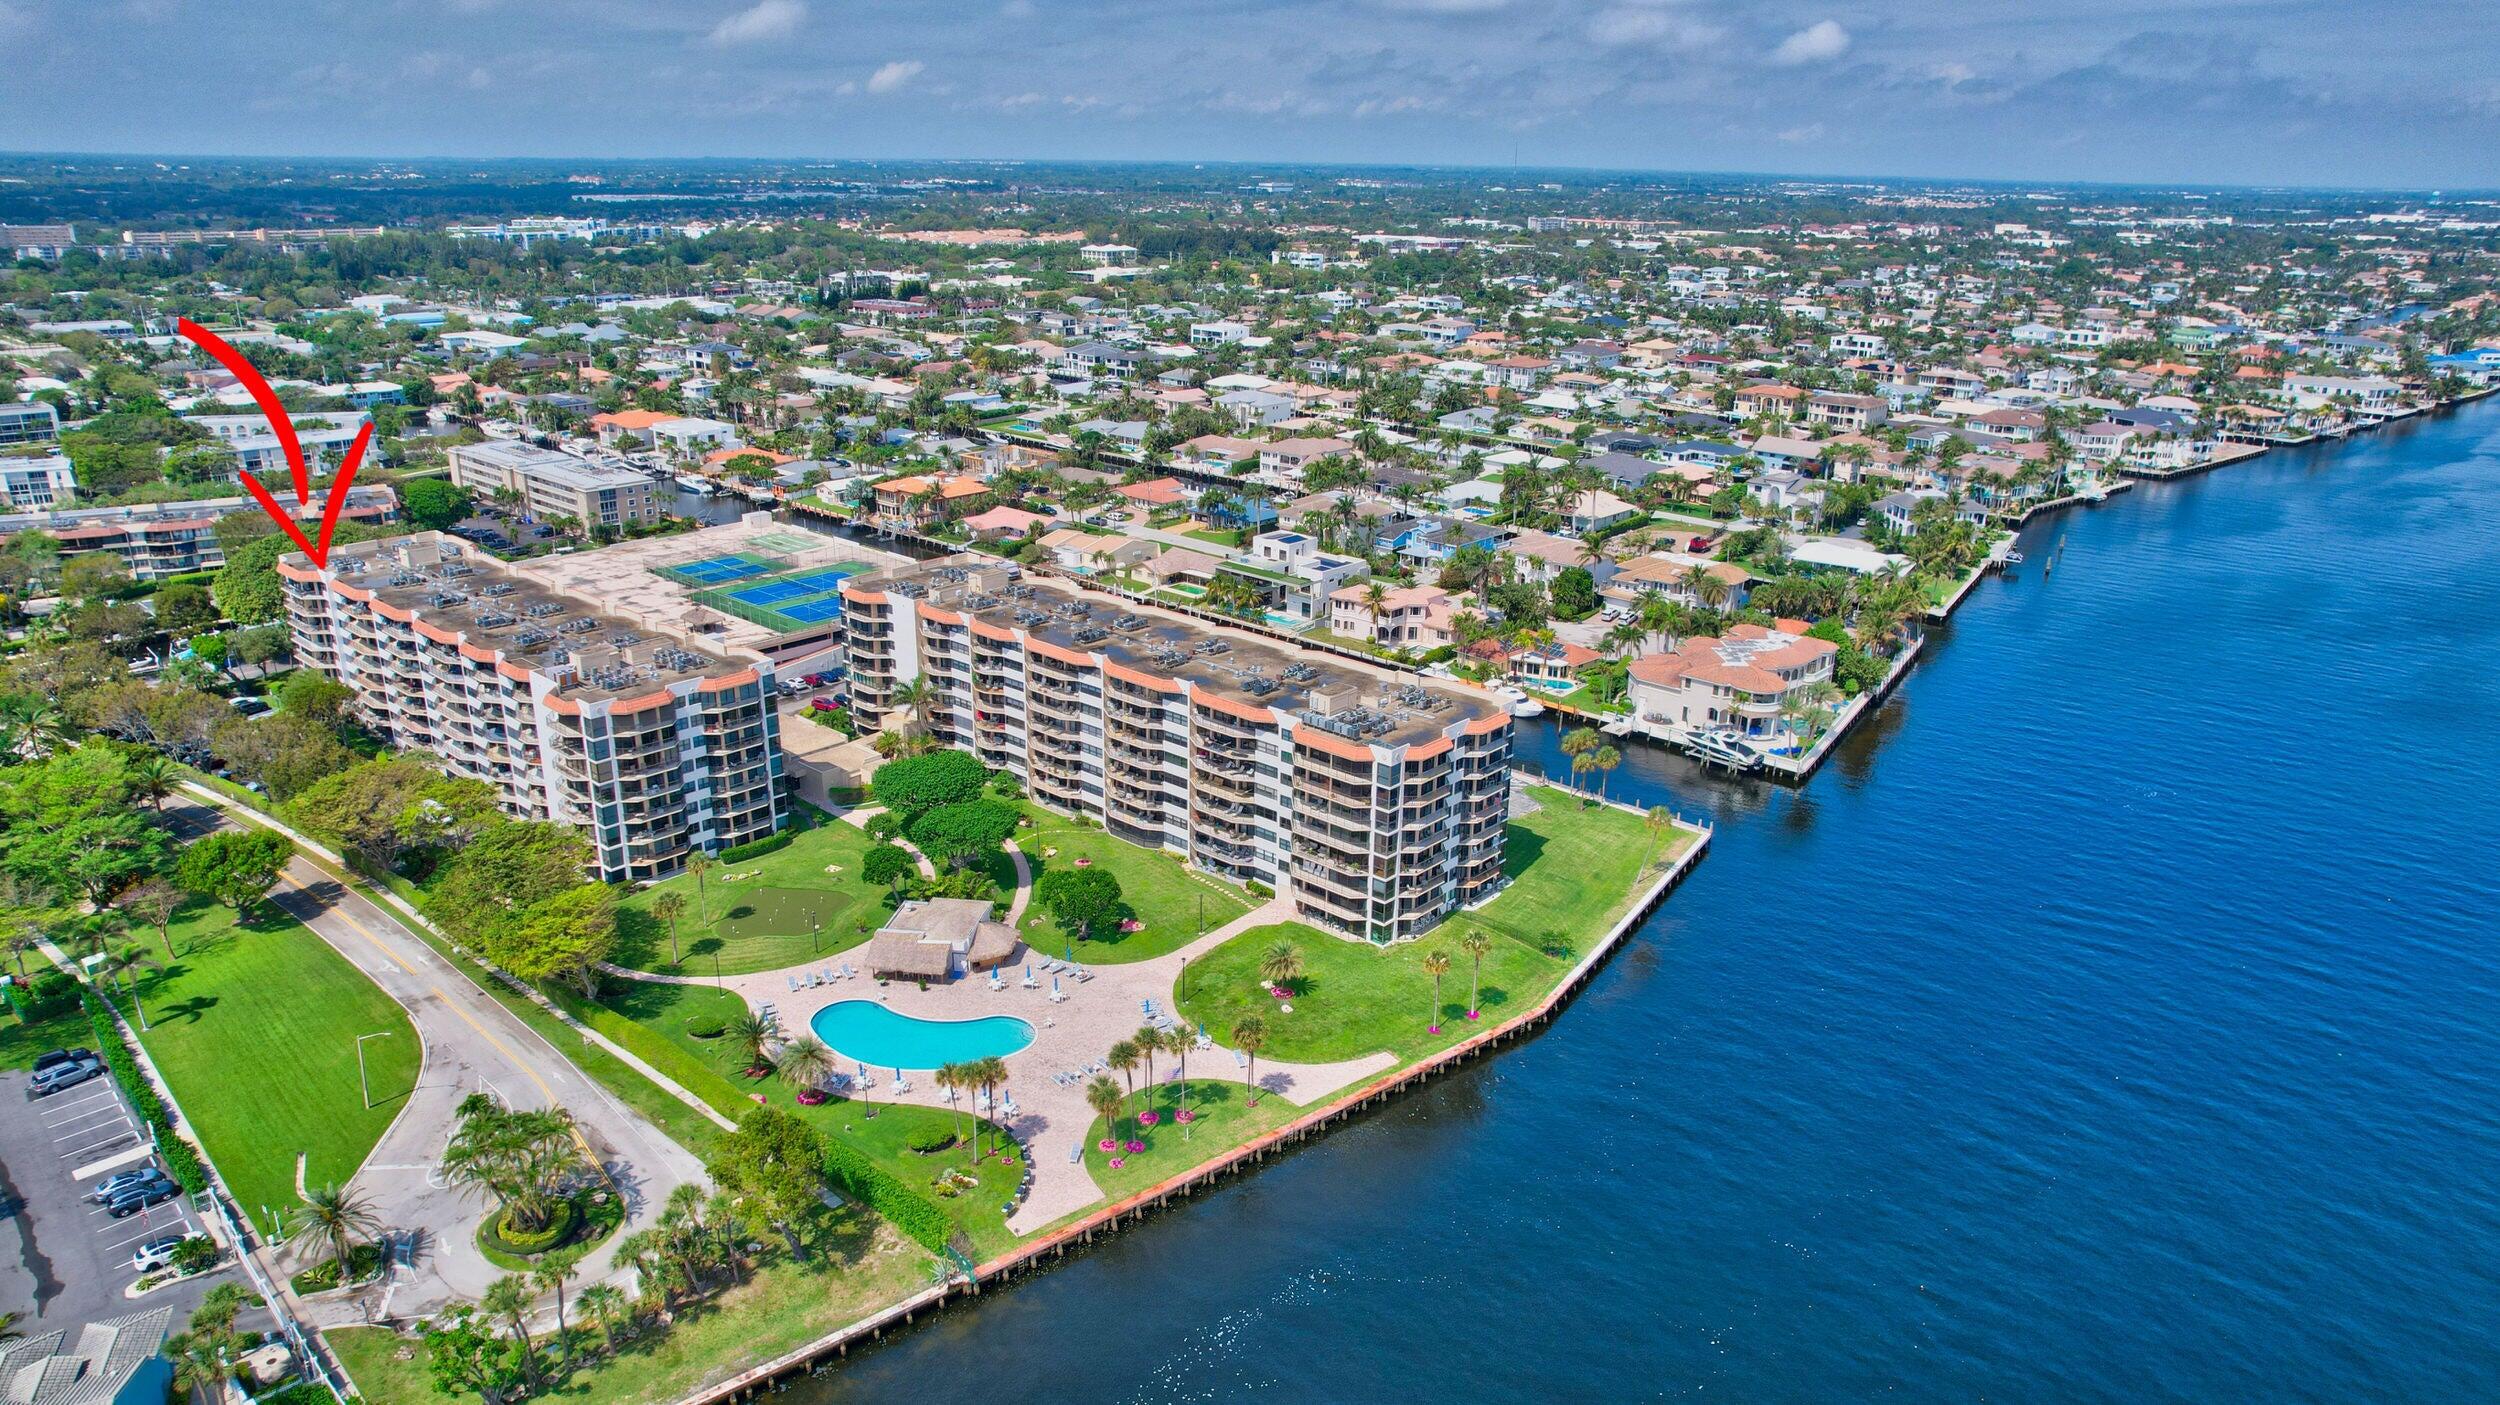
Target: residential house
<point x="1741" y="681"/>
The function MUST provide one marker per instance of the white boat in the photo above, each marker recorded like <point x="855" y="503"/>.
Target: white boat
<point x="1525" y="706"/>
<point x="2095" y="493"/>
<point x="694" y="484"/>
<point x="1722" y="749"/>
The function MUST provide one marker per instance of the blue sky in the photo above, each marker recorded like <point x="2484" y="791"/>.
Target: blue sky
<point x="2237" y="91"/>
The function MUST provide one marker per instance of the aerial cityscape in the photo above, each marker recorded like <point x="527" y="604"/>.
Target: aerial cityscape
<point x="1361" y="748"/>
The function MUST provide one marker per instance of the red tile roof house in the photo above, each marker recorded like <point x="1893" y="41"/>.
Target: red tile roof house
<point x="1156" y="494"/>
<point x="1411" y="617"/>
<point x="1739" y="681"/>
<point x="1003" y="524"/>
<point x="1556" y="665"/>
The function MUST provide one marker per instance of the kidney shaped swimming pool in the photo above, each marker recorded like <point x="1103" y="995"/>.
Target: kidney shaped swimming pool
<point x="872" y="1034"/>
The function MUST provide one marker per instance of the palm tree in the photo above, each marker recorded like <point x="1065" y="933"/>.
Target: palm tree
<point x="668" y="907"/>
<point x="699" y="863"/>
<point x="951" y="1078"/>
<point x="152" y="778"/>
<point x="1661" y="822"/>
<point x="1123" y="1056"/>
<point x="1436" y="965"/>
<point x="552" y="1273"/>
<point x="1250" y="1036"/>
<point x="1603" y="761"/>
<point x="994" y="1077"/>
<point x="336" y="1217"/>
<point x="750" y="1035"/>
<point x="1149" y="1042"/>
<point x="1105" y="1098"/>
<point x="605" y="1304"/>
<point x="508" y="1297"/>
<point x="119" y="965"/>
<point x="1280" y="963"/>
<point x="1476" y="945"/>
<point x="804" y="1062"/>
<point x="1376" y="601"/>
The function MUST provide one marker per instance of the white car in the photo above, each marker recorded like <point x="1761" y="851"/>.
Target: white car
<point x="156" y="1254"/>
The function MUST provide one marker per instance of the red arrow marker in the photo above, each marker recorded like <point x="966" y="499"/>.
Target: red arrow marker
<point x="284" y="427"/>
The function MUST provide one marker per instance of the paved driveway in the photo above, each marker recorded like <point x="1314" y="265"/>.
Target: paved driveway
<point x="472" y="1044"/>
<point x="63" y="1261"/>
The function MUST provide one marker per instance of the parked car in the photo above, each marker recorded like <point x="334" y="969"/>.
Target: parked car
<point x="60" y="1056"/>
<point x="114" y="1185"/>
<point x="156" y="1253"/>
<point x="67" y="1075"/>
<point x="132" y="1201"/>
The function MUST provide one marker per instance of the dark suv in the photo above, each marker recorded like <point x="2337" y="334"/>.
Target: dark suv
<point x="140" y="1197"/>
<point x="68" y="1074"/>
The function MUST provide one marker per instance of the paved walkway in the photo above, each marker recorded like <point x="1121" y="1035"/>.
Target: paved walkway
<point x="1069" y="1035"/>
<point x="470" y="1043"/>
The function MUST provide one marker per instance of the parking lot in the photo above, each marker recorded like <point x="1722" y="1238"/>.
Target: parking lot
<point x="63" y="1260"/>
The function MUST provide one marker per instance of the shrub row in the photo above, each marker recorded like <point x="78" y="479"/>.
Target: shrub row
<point x="737" y="853"/>
<point x="181" y="1161"/>
<point x="872" y="1185"/>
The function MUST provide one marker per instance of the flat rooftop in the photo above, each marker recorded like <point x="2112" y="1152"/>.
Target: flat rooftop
<point x="625" y="579"/>
<point x="552" y="465"/>
<point x="1392" y="709"/>
<point x="454" y="587"/>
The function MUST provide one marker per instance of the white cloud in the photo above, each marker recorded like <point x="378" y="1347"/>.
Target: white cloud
<point x="1819" y="42"/>
<point x="893" y="76"/>
<point x="765" y="19"/>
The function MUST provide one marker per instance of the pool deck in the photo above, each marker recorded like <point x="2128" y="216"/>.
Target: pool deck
<point x="1051" y="1119"/>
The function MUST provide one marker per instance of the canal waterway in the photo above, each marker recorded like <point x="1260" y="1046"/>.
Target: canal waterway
<point x="2114" y="1019"/>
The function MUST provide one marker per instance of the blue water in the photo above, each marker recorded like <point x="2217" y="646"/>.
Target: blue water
<point x="870" y="1033"/>
<point x="2114" y="1020"/>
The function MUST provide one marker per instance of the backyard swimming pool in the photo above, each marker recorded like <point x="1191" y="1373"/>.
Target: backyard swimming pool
<point x="870" y="1033"/>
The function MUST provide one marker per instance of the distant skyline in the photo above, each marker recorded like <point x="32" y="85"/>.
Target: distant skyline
<point x="2246" y="92"/>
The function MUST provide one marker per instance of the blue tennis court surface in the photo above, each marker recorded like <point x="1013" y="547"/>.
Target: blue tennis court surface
<point x="773" y="592"/>
<point x="720" y="568"/>
<point x="814" y="611"/>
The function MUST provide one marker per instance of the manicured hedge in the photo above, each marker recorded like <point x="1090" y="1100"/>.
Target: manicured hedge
<point x="181" y="1161"/>
<point x="738" y="852"/>
<point x="872" y="1185"/>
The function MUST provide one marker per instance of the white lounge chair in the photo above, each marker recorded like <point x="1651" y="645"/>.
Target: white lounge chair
<point x="828" y="977"/>
<point x="1010" y="1101"/>
<point x="995" y="982"/>
<point x="1239" y="1061"/>
<point x="794" y="982"/>
<point x="1031" y="982"/>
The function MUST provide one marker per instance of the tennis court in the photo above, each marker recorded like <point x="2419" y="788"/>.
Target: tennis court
<point x="786" y="602"/>
<point x="715" y="570"/>
<point x="798" y="587"/>
<point x="814" y="611"/>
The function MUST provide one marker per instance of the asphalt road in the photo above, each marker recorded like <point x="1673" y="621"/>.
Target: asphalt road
<point x="65" y="1262"/>
<point x="472" y="1044"/>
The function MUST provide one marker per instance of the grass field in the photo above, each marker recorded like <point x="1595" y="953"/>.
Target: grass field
<point x="1164" y="893"/>
<point x="22" y="1043"/>
<point x="1574" y="870"/>
<point x="254" y="1027"/>
<point x="1221" y="1117"/>
<point x="766" y="912"/>
<point x="860" y="1265"/>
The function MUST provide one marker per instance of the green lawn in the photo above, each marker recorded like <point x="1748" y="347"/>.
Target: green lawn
<point x="255" y="1026"/>
<point x="665" y="1018"/>
<point x="1230" y="538"/>
<point x="1163" y="892"/>
<point x="765" y="913"/>
<point x="1222" y="1118"/>
<point x="22" y="1043"/>
<point x="860" y="1265"/>
<point x="1574" y="870"/>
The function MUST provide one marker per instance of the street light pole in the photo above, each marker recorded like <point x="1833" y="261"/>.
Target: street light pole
<point x="361" y="1081"/>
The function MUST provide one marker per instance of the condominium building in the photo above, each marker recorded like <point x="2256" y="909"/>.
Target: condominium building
<point x="324" y="435"/>
<point x="552" y="484"/>
<point x="28" y="422"/>
<point x="157" y="540"/>
<point x="33" y="478"/>
<point x="1375" y="805"/>
<point x="652" y="747"/>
